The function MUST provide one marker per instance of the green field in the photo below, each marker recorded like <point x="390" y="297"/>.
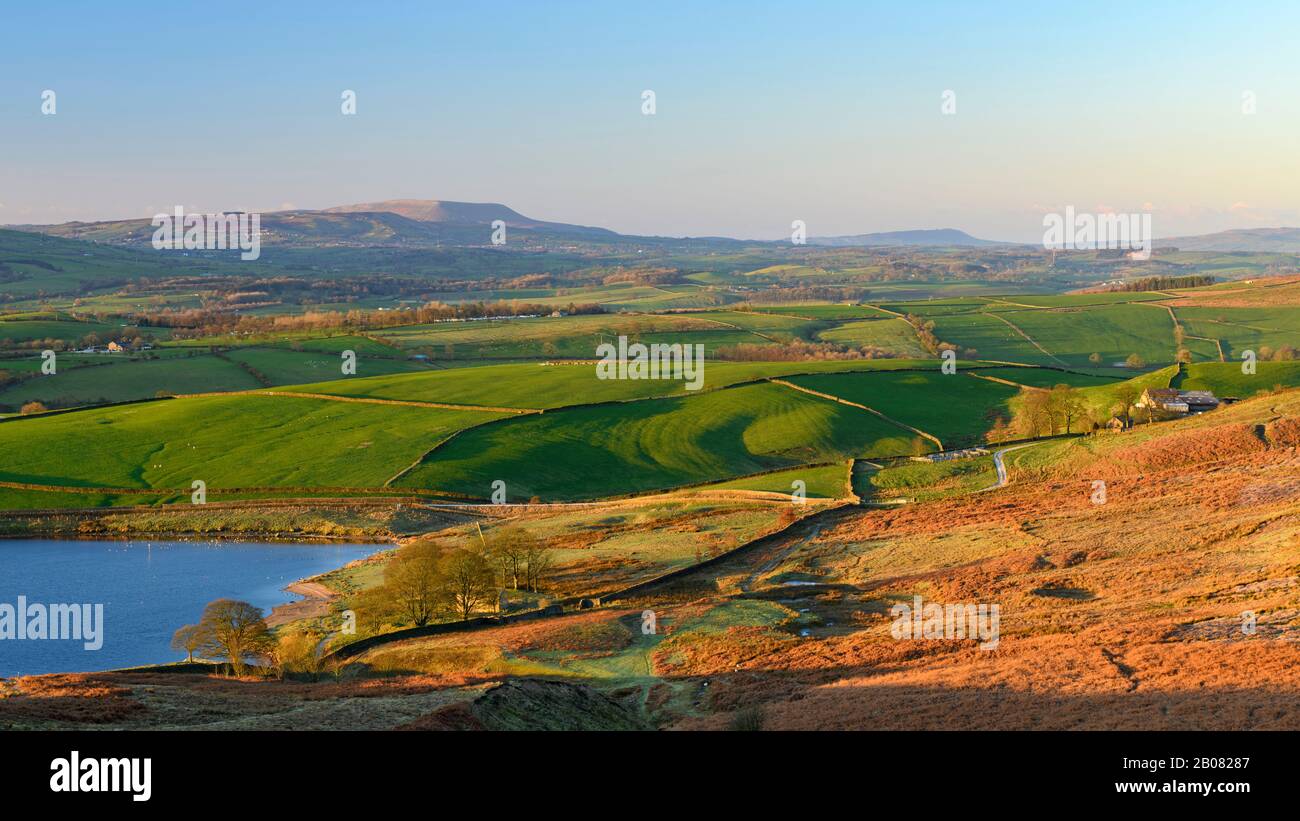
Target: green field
<point x="561" y="337"/>
<point x="775" y="325"/>
<point x="596" y="437"/>
<point x="1077" y="300"/>
<point x="283" y="366"/>
<point x="1048" y="378"/>
<point x="894" y="335"/>
<point x="1226" y="379"/>
<point x="925" y="481"/>
<point x="1114" y="331"/>
<point x="1067" y="336"/>
<point x="639" y="446"/>
<point x="953" y="407"/>
<point x="824" y="482"/>
<point x="125" y="379"/>
<point x="535" y="385"/>
<point x="991" y="338"/>
<point x="824" y="311"/>
<point x="237" y="441"/>
<point x="1242" y="329"/>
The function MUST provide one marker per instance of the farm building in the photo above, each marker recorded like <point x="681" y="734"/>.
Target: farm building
<point x="1173" y="400"/>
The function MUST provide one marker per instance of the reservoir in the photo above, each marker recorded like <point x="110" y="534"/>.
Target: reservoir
<point x="147" y="590"/>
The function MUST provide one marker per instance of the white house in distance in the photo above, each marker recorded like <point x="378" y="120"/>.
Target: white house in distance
<point x="1172" y="400"/>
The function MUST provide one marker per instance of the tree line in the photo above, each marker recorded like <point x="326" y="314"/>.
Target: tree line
<point x="423" y="583"/>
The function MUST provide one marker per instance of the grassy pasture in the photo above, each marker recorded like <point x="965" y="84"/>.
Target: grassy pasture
<point x="1242" y="329"/>
<point x="823" y="311"/>
<point x="229" y="441"/>
<point x="951" y="407"/>
<point x="535" y="385"/>
<point x="600" y="451"/>
<point x="1114" y="331"/>
<point x="893" y="334"/>
<point x="825" y="482"/>
<point x="1048" y="378"/>
<point x="1226" y="378"/>
<point x="68" y="330"/>
<point x="283" y="366"/>
<point x="775" y="325"/>
<point x="569" y="337"/>
<point x="362" y="346"/>
<point x="1075" y="300"/>
<point x="935" y="307"/>
<point x="129" y="379"/>
<point x="926" y="481"/>
<point x="990" y="337"/>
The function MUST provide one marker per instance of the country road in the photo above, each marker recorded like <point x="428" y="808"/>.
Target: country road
<point x="1001" y="466"/>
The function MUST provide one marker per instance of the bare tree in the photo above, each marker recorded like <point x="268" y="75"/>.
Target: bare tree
<point x="413" y="581"/>
<point x="538" y="560"/>
<point x="1127" y="394"/>
<point x="506" y="549"/>
<point x="187" y="638"/>
<point x="1068" y="405"/>
<point x="467" y="580"/>
<point x="235" y="630"/>
<point x="1034" y="416"/>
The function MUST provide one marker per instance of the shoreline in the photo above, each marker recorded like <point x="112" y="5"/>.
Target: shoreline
<point x="315" y="601"/>
<point x="316" y="597"/>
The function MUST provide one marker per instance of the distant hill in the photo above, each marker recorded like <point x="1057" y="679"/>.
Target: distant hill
<point x="1258" y="240"/>
<point x="932" y="236"/>
<point x="465" y="213"/>
<point x="388" y="223"/>
<point x="284" y="227"/>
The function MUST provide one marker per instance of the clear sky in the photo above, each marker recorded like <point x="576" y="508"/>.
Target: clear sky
<point x="766" y="113"/>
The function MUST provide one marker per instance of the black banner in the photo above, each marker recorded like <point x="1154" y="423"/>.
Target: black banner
<point x="142" y="772"/>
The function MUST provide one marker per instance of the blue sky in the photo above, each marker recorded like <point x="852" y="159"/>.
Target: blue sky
<point x="766" y="113"/>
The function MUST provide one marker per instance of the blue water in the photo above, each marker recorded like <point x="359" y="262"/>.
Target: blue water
<point x="148" y="589"/>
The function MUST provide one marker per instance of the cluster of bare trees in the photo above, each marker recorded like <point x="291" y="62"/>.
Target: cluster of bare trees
<point x="237" y="632"/>
<point x="925" y="334"/>
<point x="520" y="558"/>
<point x="229" y="629"/>
<point x="423" y="581"/>
<point x="1284" y="353"/>
<point x="1040" y="412"/>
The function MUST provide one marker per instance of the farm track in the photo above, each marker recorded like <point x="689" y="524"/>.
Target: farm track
<point x="1001" y="466"/>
